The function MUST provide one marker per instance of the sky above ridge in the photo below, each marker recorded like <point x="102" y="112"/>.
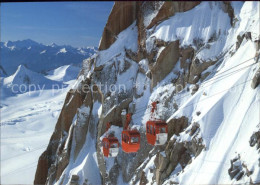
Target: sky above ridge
<point x="78" y="24"/>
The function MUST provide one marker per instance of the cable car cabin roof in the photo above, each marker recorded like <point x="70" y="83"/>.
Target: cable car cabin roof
<point x="131" y="132"/>
<point x="157" y="123"/>
<point x="110" y="139"/>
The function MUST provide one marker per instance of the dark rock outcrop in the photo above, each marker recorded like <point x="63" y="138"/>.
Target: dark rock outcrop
<point x="73" y="101"/>
<point x="176" y="126"/>
<point x="255" y="140"/>
<point x="165" y="62"/>
<point x="177" y="152"/>
<point x="170" y="8"/>
<point x="122" y="15"/>
<point x="256" y="79"/>
<point x="238" y="169"/>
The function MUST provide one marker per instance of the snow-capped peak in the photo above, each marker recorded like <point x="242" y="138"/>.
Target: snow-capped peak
<point x="39" y="57"/>
<point x="24" y="76"/>
<point x="63" y="50"/>
<point x="53" y="45"/>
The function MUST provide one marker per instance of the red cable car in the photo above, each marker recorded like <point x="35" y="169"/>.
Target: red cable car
<point x="130" y="138"/>
<point x="110" y="144"/>
<point x="156" y="130"/>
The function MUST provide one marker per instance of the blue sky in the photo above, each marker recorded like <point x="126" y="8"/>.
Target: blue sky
<point x="73" y="23"/>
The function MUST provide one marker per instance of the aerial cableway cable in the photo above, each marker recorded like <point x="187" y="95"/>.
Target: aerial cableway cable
<point x="210" y="96"/>
<point x="219" y="78"/>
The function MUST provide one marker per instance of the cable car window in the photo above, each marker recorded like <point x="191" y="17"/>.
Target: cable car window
<point x="134" y="139"/>
<point x="113" y="145"/>
<point x="126" y="139"/>
<point x="105" y="144"/>
<point x="162" y="130"/>
<point x="147" y="127"/>
<point x="151" y="129"/>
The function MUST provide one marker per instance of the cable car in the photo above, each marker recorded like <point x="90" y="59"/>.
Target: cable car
<point x="130" y="138"/>
<point x="110" y="144"/>
<point x="156" y="130"/>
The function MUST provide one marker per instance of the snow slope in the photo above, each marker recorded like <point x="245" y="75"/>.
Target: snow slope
<point x="86" y="164"/>
<point x="64" y="73"/>
<point x="27" y="122"/>
<point x="26" y="76"/>
<point x="228" y="106"/>
<point x="25" y="80"/>
<point x="228" y="117"/>
<point x="192" y="25"/>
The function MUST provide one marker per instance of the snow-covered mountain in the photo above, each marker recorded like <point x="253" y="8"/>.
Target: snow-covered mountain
<point x="24" y="80"/>
<point x="34" y="82"/>
<point x="64" y="73"/>
<point x="199" y="60"/>
<point x="30" y="106"/>
<point x="38" y="57"/>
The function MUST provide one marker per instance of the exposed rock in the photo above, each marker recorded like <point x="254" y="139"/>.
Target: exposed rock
<point x="257" y="45"/>
<point x="42" y="168"/>
<point x="170" y="161"/>
<point x="74" y="180"/>
<point x="233" y="173"/>
<point x="170" y="8"/>
<point x="197" y="67"/>
<point x="246" y="35"/>
<point x="133" y="56"/>
<point x="74" y="100"/>
<point x="143" y="179"/>
<point x="195" y="89"/>
<point x="99" y="68"/>
<point x="139" y="172"/>
<point x="186" y="55"/>
<point x="165" y="62"/>
<point x="80" y="129"/>
<point x="194" y="127"/>
<point x="177" y="152"/>
<point x="122" y="15"/>
<point x="195" y="146"/>
<point x="176" y="126"/>
<point x="238" y="169"/>
<point x="256" y="79"/>
<point x="229" y="9"/>
<point x="114" y="172"/>
<point x="133" y="161"/>
<point x="255" y="140"/>
<point x="114" y="116"/>
<point x="141" y="31"/>
<point x="60" y="166"/>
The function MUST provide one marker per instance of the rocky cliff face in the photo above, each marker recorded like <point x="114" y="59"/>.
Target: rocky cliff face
<point x="188" y="55"/>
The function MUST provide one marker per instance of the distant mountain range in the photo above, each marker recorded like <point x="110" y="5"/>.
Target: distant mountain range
<point x="39" y="57"/>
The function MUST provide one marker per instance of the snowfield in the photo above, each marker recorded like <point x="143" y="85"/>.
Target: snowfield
<point x="28" y="120"/>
